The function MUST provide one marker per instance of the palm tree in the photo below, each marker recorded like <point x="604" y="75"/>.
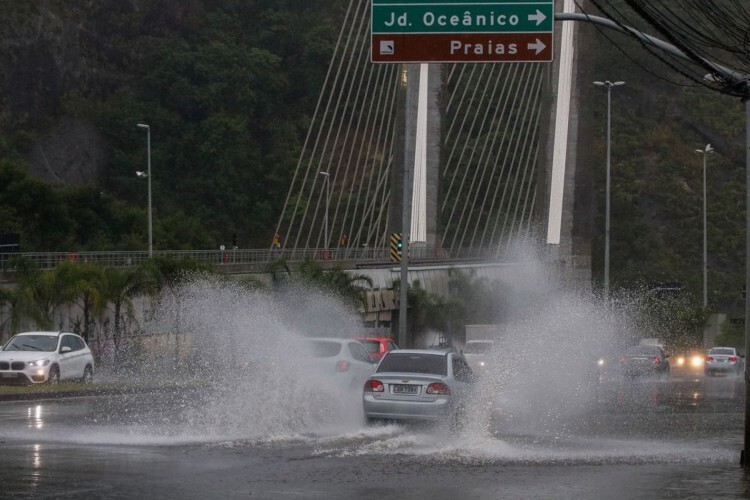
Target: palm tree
<point x="119" y="287"/>
<point x="82" y="283"/>
<point x="349" y="287"/>
<point x="20" y="306"/>
<point x="168" y="275"/>
<point x="279" y="271"/>
<point x="43" y="290"/>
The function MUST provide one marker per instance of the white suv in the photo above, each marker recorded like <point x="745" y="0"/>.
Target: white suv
<point x="38" y="357"/>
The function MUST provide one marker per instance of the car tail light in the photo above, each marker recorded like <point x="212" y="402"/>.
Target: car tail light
<point x="656" y="360"/>
<point x="342" y="366"/>
<point x="622" y="361"/>
<point x="709" y="358"/>
<point x="732" y="358"/>
<point x="438" y="388"/>
<point x="374" y="386"/>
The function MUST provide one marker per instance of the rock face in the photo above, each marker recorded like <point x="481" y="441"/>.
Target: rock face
<point x="72" y="152"/>
<point x="42" y="66"/>
<point x="56" y="53"/>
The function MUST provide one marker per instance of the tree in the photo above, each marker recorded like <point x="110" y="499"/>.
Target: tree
<point x="349" y="287"/>
<point x="43" y="289"/>
<point x="20" y="306"/>
<point x="167" y="276"/>
<point x="82" y="283"/>
<point x="119" y="288"/>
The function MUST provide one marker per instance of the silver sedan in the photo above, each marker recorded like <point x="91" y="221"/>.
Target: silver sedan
<point x="723" y="360"/>
<point x="417" y="384"/>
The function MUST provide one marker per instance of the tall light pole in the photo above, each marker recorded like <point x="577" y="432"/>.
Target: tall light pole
<point x="328" y="198"/>
<point x="609" y="86"/>
<point x="147" y="175"/>
<point x="705" y="152"/>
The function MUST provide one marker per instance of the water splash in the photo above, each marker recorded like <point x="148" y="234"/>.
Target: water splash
<point x="246" y="383"/>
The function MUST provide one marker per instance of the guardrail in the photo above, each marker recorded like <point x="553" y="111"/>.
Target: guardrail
<point x="251" y="257"/>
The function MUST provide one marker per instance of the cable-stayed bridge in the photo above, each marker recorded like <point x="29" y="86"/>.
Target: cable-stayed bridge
<point x="490" y="150"/>
<point x="483" y="144"/>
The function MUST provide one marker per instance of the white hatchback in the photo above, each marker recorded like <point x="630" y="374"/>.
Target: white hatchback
<point x="39" y="357"/>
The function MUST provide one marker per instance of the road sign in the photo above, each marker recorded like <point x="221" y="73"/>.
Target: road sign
<point x="462" y="30"/>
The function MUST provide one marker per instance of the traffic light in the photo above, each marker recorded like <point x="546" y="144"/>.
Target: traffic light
<point x="396" y="247"/>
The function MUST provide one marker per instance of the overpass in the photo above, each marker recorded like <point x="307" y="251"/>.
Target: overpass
<point x="241" y="260"/>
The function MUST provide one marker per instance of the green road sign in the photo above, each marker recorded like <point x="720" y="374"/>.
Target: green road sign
<point x="462" y="31"/>
<point x="462" y="18"/>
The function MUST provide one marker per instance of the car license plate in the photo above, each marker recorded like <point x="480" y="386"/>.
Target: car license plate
<point x="9" y="375"/>
<point x="405" y="389"/>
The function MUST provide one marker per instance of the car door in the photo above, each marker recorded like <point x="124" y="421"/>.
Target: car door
<point x="83" y="355"/>
<point x="67" y="358"/>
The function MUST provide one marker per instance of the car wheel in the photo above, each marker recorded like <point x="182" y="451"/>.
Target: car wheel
<point x="54" y="376"/>
<point x="88" y="375"/>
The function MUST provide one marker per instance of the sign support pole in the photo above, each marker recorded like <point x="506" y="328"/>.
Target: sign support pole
<point x="403" y="334"/>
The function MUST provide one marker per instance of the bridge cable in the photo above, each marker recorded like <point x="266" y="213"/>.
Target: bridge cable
<point x="309" y="132"/>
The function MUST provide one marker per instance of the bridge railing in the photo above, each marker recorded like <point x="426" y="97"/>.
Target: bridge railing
<point x="251" y="257"/>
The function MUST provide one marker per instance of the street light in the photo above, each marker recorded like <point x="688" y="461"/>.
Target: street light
<point x="328" y="197"/>
<point x="705" y="152"/>
<point x="147" y="175"/>
<point x="609" y="86"/>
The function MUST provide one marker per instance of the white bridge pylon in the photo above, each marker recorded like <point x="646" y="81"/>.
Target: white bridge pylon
<point x="419" y="190"/>
<point x="562" y="121"/>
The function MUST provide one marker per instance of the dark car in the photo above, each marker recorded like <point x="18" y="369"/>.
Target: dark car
<point x="645" y="360"/>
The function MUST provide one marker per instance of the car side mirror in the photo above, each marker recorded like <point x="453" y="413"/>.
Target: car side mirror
<point x="65" y="349"/>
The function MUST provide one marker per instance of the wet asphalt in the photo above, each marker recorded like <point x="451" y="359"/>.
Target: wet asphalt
<point x="674" y="438"/>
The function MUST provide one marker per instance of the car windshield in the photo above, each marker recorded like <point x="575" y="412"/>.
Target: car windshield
<point x="371" y="345"/>
<point x="46" y="343"/>
<point x="729" y="352"/>
<point x="477" y="347"/>
<point x="414" y="363"/>
<point x="643" y="350"/>
<point x="323" y="348"/>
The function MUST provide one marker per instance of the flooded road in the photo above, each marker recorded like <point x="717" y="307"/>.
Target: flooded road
<point x="674" y="438"/>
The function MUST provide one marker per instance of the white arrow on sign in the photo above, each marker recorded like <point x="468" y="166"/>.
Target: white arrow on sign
<point x="537" y="46"/>
<point x="539" y="17"/>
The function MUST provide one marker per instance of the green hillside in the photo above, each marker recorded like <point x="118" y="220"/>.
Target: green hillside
<point x="659" y="119"/>
<point x="229" y="88"/>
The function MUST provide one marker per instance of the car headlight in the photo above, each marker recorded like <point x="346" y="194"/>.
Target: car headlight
<point x="696" y="361"/>
<point x="38" y="363"/>
<point x="681" y="360"/>
<point x="600" y="362"/>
